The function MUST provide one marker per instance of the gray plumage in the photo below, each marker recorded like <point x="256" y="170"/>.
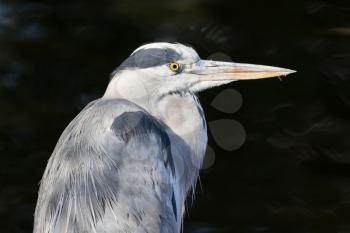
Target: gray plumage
<point x="127" y="161"/>
<point x="121" y="181"/>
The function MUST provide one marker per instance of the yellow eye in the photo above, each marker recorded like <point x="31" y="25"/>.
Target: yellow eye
<point x="174" y="66"/>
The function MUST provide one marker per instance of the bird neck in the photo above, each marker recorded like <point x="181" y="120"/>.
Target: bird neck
<point x="184" y="116"/>
<point x="180" y="111"/>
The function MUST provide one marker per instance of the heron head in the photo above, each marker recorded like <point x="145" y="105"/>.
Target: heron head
<point x="158" y="69"/>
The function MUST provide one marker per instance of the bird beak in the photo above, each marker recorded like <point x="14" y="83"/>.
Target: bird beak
<point x="225" y="71"/>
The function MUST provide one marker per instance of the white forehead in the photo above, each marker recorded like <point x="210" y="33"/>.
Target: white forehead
<point x="188" y="53"/>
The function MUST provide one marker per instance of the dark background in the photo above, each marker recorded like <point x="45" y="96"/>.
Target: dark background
<point x="293" y="172"/>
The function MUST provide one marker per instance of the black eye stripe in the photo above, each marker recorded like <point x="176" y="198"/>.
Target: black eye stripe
<point x="151" y="57"/>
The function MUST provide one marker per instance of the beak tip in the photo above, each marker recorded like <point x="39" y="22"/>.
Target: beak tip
<point x="288" y="71"/>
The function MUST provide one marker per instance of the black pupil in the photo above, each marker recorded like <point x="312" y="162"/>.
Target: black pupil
<point x="174" y="66"/>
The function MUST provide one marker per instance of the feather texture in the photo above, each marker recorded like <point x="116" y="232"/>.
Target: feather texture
<point x="115" y="168"/>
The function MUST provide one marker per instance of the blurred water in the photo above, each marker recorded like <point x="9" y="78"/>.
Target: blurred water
<point x="292" y="174"/>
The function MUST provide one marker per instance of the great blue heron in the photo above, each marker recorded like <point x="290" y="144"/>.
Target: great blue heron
<point x="128" y="160"/>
